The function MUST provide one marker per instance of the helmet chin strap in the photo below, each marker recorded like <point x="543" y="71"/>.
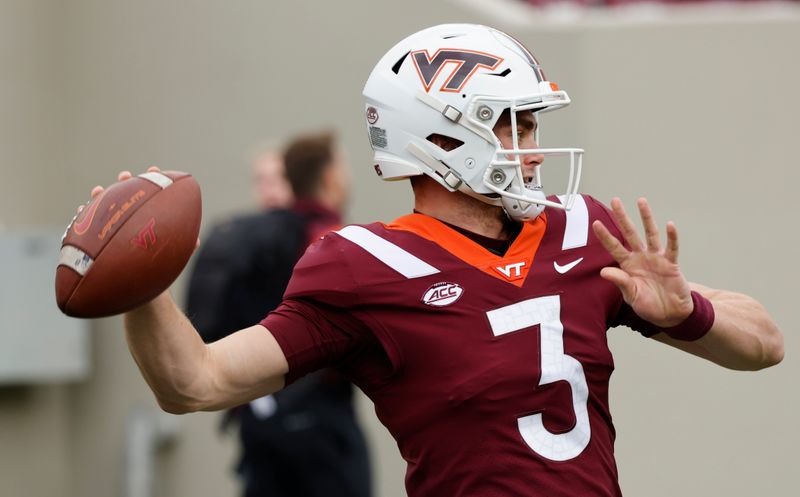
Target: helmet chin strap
<point x="522" y="211"/>
<point x="516" y="209"/>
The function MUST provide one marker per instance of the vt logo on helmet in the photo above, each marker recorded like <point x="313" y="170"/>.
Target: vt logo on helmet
<point x="467" y="62"/>
<point x="441" y="94"/>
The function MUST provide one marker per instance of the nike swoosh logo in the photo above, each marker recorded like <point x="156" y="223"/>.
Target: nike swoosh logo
<point x="566" y="267"/>
<point x="83" y="226"/>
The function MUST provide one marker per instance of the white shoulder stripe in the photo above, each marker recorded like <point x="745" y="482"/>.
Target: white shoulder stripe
<point x="387" y="252"/>
<point x="576" y="232"/>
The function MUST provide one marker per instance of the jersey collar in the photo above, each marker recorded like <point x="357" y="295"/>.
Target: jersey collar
<point x="513" y="267"/>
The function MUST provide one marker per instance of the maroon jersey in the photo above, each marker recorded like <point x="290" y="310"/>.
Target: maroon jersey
<point x="490" y="372"/>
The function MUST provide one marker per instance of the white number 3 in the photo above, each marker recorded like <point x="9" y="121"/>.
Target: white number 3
<point x="556" y="366"/>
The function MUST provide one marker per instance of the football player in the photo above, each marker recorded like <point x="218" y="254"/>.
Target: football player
<point x="476" y="324"/>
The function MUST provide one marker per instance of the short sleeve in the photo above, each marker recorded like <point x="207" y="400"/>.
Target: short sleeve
<point x="318" y="326"/>
<point x="627" y="317"/>
<point x="323" y="274"/>
<point x="313" y="336"/>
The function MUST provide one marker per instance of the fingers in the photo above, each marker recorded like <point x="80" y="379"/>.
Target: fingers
<point x="626" y="225"/>
<point x="122" y="176"/>
<point x="650" y="226"/>
<point x="672" y="243"/>
<point x="652" y="235"/>
<point x="98" y="189"/>
<point x="610" y="242"/>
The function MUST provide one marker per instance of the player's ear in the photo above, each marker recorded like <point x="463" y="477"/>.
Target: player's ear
<point x="446" y="143"/>
<point x="503" y="120"/>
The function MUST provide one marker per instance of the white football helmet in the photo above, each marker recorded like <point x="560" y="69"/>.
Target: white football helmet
<point x="456" y="80"/>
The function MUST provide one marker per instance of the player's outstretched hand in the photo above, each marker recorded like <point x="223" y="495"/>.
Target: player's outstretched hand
<point x="648" y="275"/>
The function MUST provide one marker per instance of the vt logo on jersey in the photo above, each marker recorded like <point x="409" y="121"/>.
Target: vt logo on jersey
<point x="513" y="271"/>
<point x="442" y="294"/>
<point x="467" y="62"/>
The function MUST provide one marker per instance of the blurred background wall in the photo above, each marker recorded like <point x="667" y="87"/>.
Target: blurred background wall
<point x="695" y="108"/>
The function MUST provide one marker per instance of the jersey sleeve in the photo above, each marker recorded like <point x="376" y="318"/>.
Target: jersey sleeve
<point x="317" y="325"/>
<point x="313" y="336"/>
<point x="323" y="274"/>
<point x="627" y="317"/>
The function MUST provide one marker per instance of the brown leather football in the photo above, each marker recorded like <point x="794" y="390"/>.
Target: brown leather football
<point x="128" y="245"/>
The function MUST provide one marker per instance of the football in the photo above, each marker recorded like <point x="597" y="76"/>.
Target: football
<point x="128" y="244"/>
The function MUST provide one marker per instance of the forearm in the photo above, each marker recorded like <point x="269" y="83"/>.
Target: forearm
<point x="743" y="336"/>
<point x="170" y="354"/>
<point x="187" y="375"/>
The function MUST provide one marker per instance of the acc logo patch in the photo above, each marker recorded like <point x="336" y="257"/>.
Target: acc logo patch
<point x="442" y="294"/>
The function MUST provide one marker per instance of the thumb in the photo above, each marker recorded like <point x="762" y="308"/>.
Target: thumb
<point x="622" y="280"/>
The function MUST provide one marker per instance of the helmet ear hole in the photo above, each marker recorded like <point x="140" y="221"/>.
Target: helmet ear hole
<point x="446" y="143"/>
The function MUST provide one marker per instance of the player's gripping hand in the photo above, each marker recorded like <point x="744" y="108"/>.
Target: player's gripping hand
<point x="123" y="175"/>
<point x="648" y="275"/>
<point x="128" y="244"/>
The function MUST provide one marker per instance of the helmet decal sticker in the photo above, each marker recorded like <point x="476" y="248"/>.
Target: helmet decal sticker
<point x="372" y="115"/>
<point x="377" y="136"/>
<point x="467" y="62"/>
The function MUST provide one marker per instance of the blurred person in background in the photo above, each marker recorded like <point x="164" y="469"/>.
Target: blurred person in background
<point x="271" y="189"/>
<point x="303" y="441"/>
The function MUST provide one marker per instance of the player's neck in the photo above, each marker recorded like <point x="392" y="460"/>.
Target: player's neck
<point x="461" y="210"/>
